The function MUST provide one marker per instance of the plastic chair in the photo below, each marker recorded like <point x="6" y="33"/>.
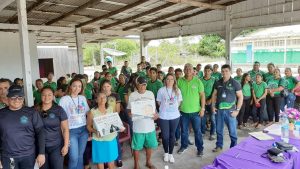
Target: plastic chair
<point x="125" y="136"/>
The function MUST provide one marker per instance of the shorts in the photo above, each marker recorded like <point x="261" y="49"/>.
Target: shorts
<point x="144" y="140"/>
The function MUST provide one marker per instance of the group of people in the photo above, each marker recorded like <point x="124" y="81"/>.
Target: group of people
<point x="61" y="122"/>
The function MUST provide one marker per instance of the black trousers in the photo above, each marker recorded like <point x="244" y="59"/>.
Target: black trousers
<point x="258" y="113"/>
<point x="54" y="159"/>
<point x="244" y="112"/>
<point x="18" y="163"/>
<point x="273" y="107"/>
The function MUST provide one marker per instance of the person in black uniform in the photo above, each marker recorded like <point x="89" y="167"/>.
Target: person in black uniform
<point x="21" y="132"/>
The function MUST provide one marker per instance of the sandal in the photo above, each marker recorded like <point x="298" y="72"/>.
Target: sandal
<point x="151" y="166"/>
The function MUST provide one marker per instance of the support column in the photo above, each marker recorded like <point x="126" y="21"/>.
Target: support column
<point x="142" y="46"/>
<point x="25" y="53"/>
<point x="228" y="36"/>
<point x="79" y="43"/>
<point x="285" y="51"/>
<point x="101" y="54"/>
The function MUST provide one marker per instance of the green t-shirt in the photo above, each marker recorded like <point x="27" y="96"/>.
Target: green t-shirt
<point x="238" y="78"/>
<point x="216" y="75"/>
<point x="246" y="90"/>
<point x="275" y="83"/>
<point x="208" y="86"/>
<point x="290" y="82"/>
<point x="259" y="89"/>
<point x="121" y="91"/>
<point x="190" y="91"/>
<point x="200" y="74"/>
<point x="52" y="85"/>
<point x="253" y="73"/>
<point x="154" y="86"/>
<point x="112" y="70"/>
<point x="37" y="97"/>
<point x="268" y="76"/>
<point x="88" y="93"/>
<point x="141" y="73"/>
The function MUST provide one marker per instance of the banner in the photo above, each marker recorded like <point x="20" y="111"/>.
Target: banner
<point x="144" y="108"/>
<point x="107" y="124"/>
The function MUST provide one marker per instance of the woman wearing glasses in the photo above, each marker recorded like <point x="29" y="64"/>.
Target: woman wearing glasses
<point x="21" y="131"/>
<point x="56" y="127"/>
<point x="76" y="107"/>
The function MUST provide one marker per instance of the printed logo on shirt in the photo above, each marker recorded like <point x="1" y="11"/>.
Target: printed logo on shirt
<point x="23" y="120"/>
<point x="52" y="115"/>
<point x="194" y="87"/>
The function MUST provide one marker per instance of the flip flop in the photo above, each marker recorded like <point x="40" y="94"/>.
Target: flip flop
<point x="151" y="166"/>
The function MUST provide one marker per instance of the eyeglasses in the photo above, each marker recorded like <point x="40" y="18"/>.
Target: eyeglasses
<point x="17" y="98"/>
<point x="44" y="114"/>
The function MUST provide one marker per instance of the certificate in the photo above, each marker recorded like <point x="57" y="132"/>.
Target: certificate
<point x="144" y="108"/>
<point x="108" y="124"/>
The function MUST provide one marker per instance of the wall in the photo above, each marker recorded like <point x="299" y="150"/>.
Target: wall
<point x="10" y="56"/>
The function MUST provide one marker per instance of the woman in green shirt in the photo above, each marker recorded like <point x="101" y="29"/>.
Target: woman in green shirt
<point x="259" y="93"/>
<point x="275" y="86"/>
<point x="245" y="109"/>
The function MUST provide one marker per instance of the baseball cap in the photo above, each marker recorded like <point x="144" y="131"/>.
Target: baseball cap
<point x="15" y="90"/>
<point x="141" y="80"/>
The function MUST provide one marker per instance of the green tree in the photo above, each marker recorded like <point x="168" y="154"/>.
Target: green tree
<point x="128" y="46"/>
<point x="211" y="45"/>
<point x="90" y="50"/>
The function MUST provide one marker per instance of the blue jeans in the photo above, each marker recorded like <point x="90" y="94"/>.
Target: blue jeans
<point x="194" y="118"/>
<point x="208" y="114"/>
<point x="224" y="116"/>
<point x="19" y="163"/>
<point x="78" y="140"/>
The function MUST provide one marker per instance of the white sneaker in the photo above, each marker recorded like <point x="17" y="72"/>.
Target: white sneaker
<point x="171" y="158"/>
<point x="166" y="157"/>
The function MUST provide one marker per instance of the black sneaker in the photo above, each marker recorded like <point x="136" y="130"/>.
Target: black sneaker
<point x="199" y="153"/>
<point x="217" y="149"/>
<point x="181" y="150"/>
<point x="191" y="143"/>
<point x="176" y="143"/>
<point x="119" y="163"/>
<point x="211" y="138"/>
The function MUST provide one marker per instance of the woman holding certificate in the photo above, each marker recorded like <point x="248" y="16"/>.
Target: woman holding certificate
<point x="169" y="98"/>
<point x="105" y="148"/>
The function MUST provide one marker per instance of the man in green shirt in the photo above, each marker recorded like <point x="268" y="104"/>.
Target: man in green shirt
<point x="200" y="72"/>
<point x="50" y="82"/>
<point x="270" y="74"/>
<point x="126" y="70"/>
<point x="239" y="74"/>
<point x="208" y="83"/>
<point x="192" y="108"/>
<point x="140" y="71"/>
<point x="216" y="74"/>
<point x="112" y="70"/>
<point x="154" y="84"/>
<point x="37" y="93"/>
<point x="255" y="70"/>
<point x="4" y="86"/>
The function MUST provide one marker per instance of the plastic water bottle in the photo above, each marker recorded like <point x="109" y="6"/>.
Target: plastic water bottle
<point x="285" y="129"/>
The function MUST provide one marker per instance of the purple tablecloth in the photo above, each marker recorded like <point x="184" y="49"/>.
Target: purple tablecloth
<point x="247" y="155"/>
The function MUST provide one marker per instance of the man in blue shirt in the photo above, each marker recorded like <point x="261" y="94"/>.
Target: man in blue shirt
<point x="21" y="131"/>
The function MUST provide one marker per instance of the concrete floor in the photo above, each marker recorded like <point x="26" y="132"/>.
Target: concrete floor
<point x="187" y="160"/>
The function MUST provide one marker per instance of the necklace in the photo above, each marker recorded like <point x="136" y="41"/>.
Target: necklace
<point x="77" y="106"/>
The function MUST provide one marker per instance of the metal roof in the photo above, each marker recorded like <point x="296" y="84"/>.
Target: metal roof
<point x="97" y="17"/>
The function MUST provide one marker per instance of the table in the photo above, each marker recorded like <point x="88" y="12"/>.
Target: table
<point x="247" y="155"/>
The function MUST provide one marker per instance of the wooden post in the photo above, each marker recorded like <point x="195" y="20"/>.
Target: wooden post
<point x="228" y="36"/>
<point x="79" y="42"/>
<point x="25" y="53"/>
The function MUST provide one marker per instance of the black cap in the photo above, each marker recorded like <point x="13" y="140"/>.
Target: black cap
<point x="141" y="80"/>
<point x="15" y="90"/>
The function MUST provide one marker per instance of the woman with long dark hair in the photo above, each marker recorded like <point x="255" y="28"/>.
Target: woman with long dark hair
<point x="56" y="127"/>
<point x="76" y="107"/>
<point x="245" y="109"/>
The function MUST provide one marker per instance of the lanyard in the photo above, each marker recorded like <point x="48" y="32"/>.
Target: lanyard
<point x="77" y="107"/>
<point x="170" y="97"/>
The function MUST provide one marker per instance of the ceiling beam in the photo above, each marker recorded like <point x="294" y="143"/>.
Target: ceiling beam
<point x="5" y="3"/>
<point x="167" y="16"/>
<point x="14" y="18"/>
<point x="188" y="16"/>
<point x="113" y="13"/>
<point x="198" y="4"/>
<point x="84" y="6"/>
<point x="138" y="15"/>
<point x="38" y="28"/>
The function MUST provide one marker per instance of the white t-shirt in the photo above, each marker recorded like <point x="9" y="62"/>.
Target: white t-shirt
<point x="145" y="124"/>
<point x="76" y="109"/>
<point x="169" y="103"/>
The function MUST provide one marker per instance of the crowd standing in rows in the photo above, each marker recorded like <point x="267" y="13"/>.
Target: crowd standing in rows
<point x="61" y="122"/>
